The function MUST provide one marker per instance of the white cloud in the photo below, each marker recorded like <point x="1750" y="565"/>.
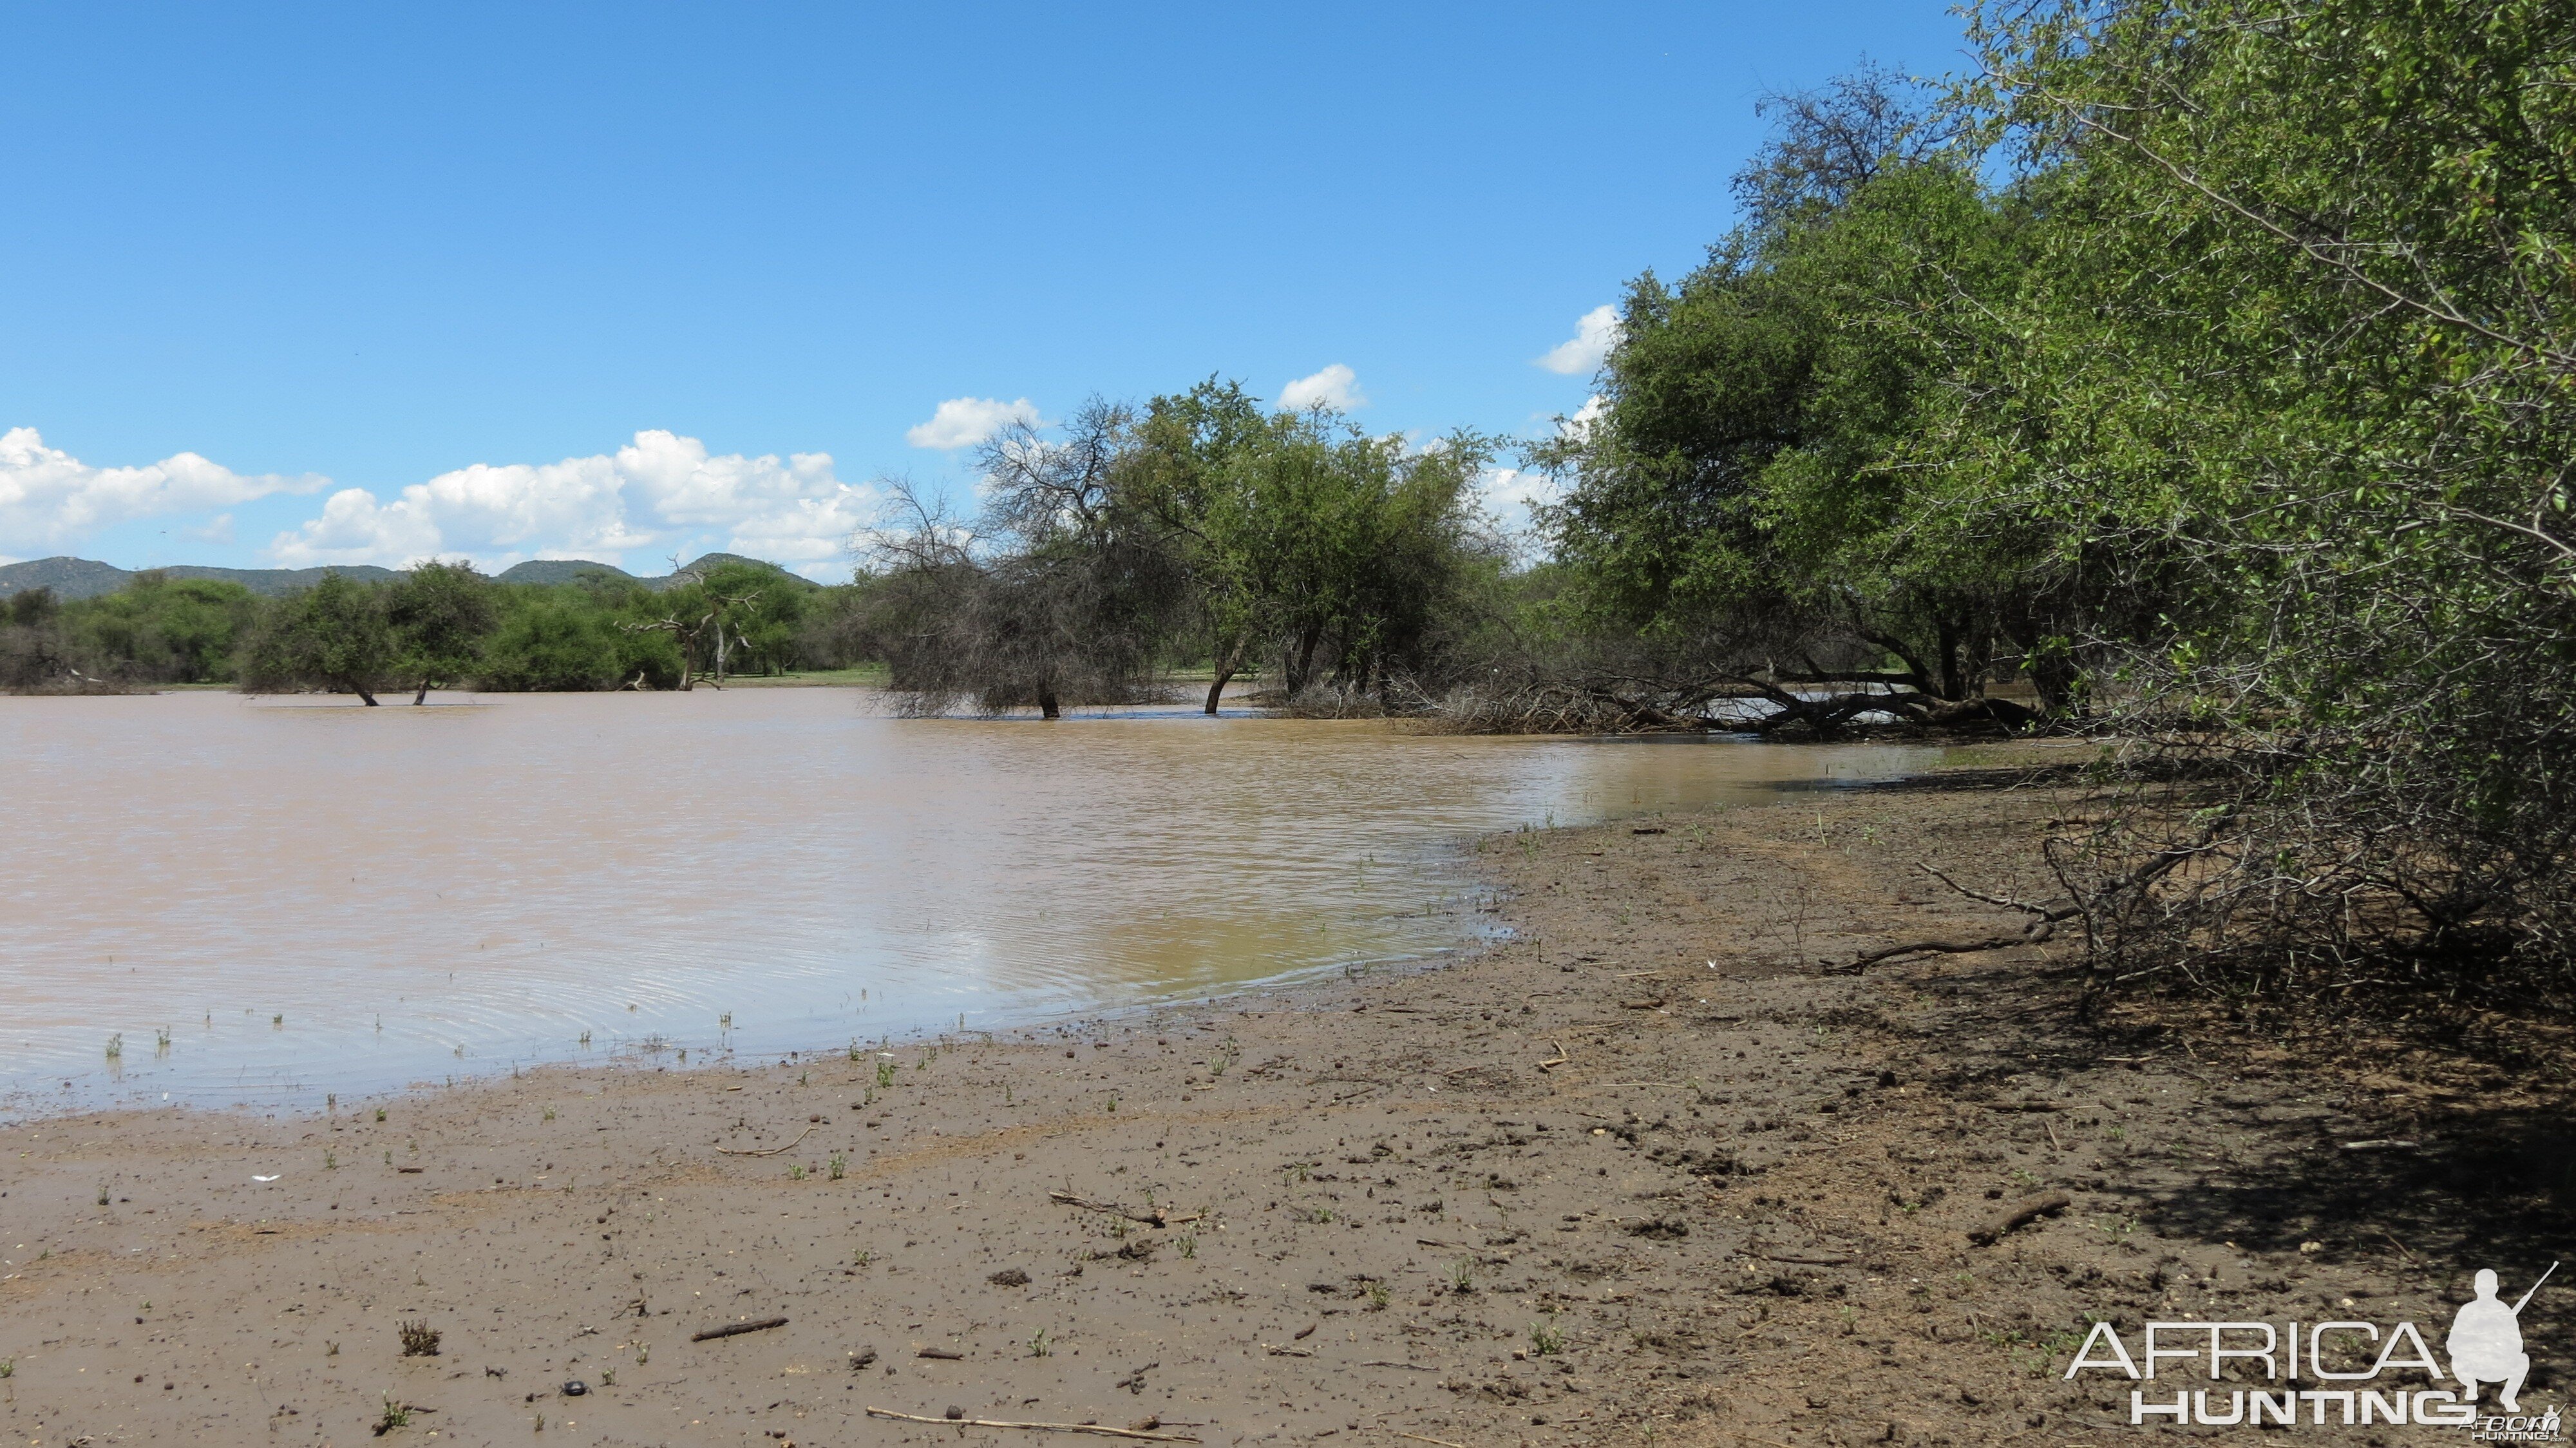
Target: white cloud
<point x="1513" y="496"/>
<point x="50" y="499"/>
<point x="659" y="492"/>
<point x="1579" y="426"/>
<point x="1595" y="333"/>
<point x="966" y="421"/>
<point x="1337" y="387"/>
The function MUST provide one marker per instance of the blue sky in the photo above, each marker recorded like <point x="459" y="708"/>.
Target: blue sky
<point x="622" y="281"/>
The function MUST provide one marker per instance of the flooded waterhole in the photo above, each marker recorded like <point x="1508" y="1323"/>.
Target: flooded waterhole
<point x="264" y="899"/>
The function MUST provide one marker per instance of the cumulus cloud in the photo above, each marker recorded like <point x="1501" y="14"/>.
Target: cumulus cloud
<point x="1336" y="387"/>
<point x="1513" y="496"/>
<point x="657" y="492"/>
<point x="966" y="421"/>
<point x="50" y="499"/>
<point x="1579" y="426"/>
<point x="1595" y="333"/>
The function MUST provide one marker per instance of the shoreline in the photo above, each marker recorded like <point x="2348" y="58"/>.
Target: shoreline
<point x="1639" y="1175"/>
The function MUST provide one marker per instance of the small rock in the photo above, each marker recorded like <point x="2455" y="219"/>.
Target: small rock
<point x="575" y="1388"/>
<point x="1009" y="1277"/>
<point x="955" y="1412"/>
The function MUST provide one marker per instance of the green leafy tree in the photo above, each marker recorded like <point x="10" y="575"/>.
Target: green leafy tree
<point x="334" y="634"/>
<point x="440" y="614"/>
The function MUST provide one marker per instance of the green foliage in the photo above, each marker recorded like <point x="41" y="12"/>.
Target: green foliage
<point x="2209" y="364"/>
<point x="335" y="634"/>
<point x="163" y="630"/>
<point x="440" y="613"/>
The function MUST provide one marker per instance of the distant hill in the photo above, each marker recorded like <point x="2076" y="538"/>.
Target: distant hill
<point x="72" y="578"/>
<point x="86" y="578"/>
<point x="546" y="572"/>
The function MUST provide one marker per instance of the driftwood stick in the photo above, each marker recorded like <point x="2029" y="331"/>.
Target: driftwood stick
<point x="2028" y="1209"/>
<point x="772" y="1151"/>
<point x="1154" y="1218"/>
<point x="737" y="1329"/>
<point x="1559" y="1059"/>
<point x="1039" y="1427"/>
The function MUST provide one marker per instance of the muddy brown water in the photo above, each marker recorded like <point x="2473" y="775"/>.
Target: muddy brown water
<point x="268" y="899"/>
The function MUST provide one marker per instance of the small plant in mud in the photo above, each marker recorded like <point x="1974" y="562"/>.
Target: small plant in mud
<point x="380" y="1113"/>
<point x="804" y="1078"/>
<point x="161" y="1040"/>
<point x="838" y="1166"/>
<point x="397" y="1415"/>
<point x="1038" y="1345"/>
<point x="102" y="1194"/>
<point x="796" y="1172"/>
<point x="116" y="1046"/>
<point x="1462" y="1275"/>
<point x="608" y="1377"/>
<point x="330" y="1161"/>
<point x="885" y="1074"/>
<point x="862" y="1257"/>
<point x="550" y="1113"/>
<point x="585" y="1038"/>
<point x="1223" y="1058"/>
<point x="1189" y="1244"/>
<point x="1378" y="1297"/>
<point x="643" y="1353"/>
<point x="419" y="1339"/>
<point x="8" y="1367"/>
<point x="1545" y="1340"/>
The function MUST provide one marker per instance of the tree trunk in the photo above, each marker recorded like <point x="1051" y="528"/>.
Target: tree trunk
<point x="1301" y="664"/>
<point x="1047" y="708"/>
<point x="1225" y="668"/>
<point x="365" y="693"/>
<point x="422" y="696"/>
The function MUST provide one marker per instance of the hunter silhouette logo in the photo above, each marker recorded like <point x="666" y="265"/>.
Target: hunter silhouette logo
<point x="2486" y="1342"/>
<point x="2345" y="1374"/>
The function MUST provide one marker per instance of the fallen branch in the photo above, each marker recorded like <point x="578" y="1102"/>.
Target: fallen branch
<point x="2035" y="933"/>
<point x="1804" y="1259"/>
<point x="1443" y="1442"/>
<point x="1385" y="1363"/>
<point x="737" y="1329"/>
<point x="2044" y="922"/>
<point x="1559" y="1059"/>
<point x="771" y="1151"/>
<point x="1154" y="1218"/>
<point x="1038" y="1427"/>
<point x="1275" y="1350"/>
<point x="2029" y="1209"/>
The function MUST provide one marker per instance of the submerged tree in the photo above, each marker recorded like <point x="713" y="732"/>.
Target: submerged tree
<point x="1062" y="591"/>
<point x="335" y="634"/>
<point x="440" y="613"/>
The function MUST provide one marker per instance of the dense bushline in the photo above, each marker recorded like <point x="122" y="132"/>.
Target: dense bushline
<point x="2211" y="365"/>
<point x="437" y="625"/>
